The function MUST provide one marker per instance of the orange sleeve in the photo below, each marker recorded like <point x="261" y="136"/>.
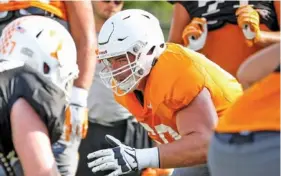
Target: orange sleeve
<point x="257" y="110"/>
<point x="186" y="86"/>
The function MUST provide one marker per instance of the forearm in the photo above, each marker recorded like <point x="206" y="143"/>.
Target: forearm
<point x="190" y="150"/>
<point x="86" y="63"/>
<point x="175" y="34"/>
<point x="268" y="38"/>
<point x="180" y="19"/>
<point x="82" y="28"/>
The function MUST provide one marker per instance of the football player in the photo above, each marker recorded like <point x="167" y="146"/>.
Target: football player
<point x="175" y="93"/>
<point x="37" y="70"/>
<point x="226" y="32"/>
<point x="77" y="16"/>
<point x="247" y="138"/>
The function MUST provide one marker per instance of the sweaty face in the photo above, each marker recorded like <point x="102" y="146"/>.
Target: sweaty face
<point x="105" y="9"/>
<point x="121" y="66"/>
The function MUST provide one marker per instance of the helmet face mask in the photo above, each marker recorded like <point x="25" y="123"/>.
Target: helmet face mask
<point x="122" y="36"/>
<point x="43" y="44"/>
<point x="130" y="71"/>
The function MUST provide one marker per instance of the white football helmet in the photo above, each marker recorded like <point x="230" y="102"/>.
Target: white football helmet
<point x="130" y="31"/>
<point x="45" y="45"/>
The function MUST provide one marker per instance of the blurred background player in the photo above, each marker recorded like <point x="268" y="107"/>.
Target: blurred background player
<point x="226" y="32"/>
<point x="77" y="17"/>
<point x="37" y="70"/>
<point x="106" y="116"/>
<point x="166" y="87"/>
<point x="247" y="138"/>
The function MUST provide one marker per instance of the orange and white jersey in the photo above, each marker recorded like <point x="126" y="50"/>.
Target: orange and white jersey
<point x="225" y="43"/>
<point x="176" y="79"/>
<point x="257" y="110"/>
<point x="56" y="7"/>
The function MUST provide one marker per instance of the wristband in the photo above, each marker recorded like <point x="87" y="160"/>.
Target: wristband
<point x="79" y="96"/>
<point x="147" y="158"/>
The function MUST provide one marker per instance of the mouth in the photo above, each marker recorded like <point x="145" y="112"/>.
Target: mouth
<point x="120" y="78"/>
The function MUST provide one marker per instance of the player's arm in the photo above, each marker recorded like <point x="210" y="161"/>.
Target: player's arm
<point x="268" y="38"/>
<point x="179" y="21"/>
<point x="82" y="28"/>
<point x="195" y="124"/>
<point x="31" y="141"/>
<point x="259" y="65"/>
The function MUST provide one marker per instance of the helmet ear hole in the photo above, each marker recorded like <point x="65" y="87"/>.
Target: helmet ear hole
<point x="150" y="52"/>
<point x="141" y="72"/>
<point x="46" y="68"/>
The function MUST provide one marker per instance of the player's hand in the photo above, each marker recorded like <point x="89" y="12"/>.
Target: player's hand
<point x="76" y="120"/>
<point x="248" y="20"/>
<point x="195" y="34"/>
<point x="121" y="159"/>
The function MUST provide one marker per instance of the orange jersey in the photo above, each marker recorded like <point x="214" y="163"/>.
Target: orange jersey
<point x="226" y="47"/>
<point x="257" y="110"/>
<point x="176" y="79"/>
<point x="53" y="6"/>
<point x="226" y="44"/>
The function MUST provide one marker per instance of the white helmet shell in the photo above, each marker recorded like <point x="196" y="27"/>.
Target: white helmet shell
<point x="131" y="31"/>
<point x="44" y="44"/>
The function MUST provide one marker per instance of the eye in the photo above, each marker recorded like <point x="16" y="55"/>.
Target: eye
<point x="121" y="60"/>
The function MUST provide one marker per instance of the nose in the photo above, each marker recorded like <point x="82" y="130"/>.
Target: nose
<point x="115" y="65"/>
<point x="118" y="63"/>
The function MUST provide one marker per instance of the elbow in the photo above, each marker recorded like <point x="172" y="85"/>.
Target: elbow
<point x="199" y="150"/>
<point x="202" y="149"/>
<point x="203" y="153"/>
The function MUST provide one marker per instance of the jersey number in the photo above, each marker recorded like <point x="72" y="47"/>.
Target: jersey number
<point x="161" y="130"/>
<point x="213" y="8"/>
